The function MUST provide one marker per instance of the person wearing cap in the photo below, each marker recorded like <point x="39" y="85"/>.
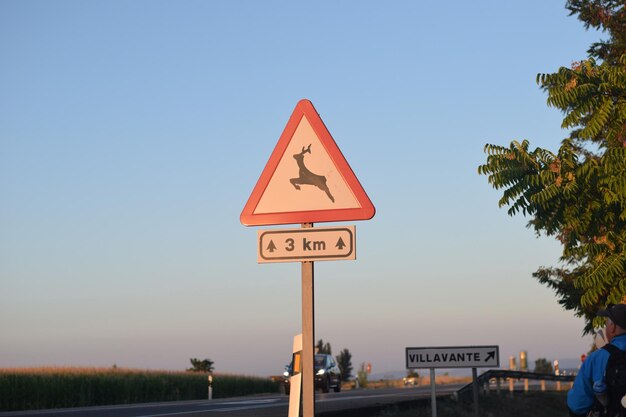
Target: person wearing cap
<point x="580" y="399"/>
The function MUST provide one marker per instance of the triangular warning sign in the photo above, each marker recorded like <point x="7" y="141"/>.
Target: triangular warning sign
<point x="307" y="179"/>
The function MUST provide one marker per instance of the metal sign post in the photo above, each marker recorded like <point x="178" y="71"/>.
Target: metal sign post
<point x="306" y="180"/>
<point x="475" y="389"/>
<point x="433" y="393"/>
<point x="453" y="357"/>
<point x="308" y="337"/>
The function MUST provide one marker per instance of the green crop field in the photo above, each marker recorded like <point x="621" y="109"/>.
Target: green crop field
<point x="39" y="388"/>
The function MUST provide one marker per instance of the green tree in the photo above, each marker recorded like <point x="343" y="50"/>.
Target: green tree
<point x="608" y="16"/>
<point x="578" y="194"/>
<point x="543" y="366"/>
<point x="322" y="347"/>
<point x="204" y="365"/>
<point x="344" y="361"/>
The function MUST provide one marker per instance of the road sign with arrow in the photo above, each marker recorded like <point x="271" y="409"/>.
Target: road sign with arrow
<point x="453" y="357"/>
<point x="311" y="244"/>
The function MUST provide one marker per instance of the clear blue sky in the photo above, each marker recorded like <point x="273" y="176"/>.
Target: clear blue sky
<point x="132" y="133"/>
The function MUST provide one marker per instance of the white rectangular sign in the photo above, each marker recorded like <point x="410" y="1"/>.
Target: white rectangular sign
<point x="307" y="244"/>
<point x="453" y="357"/>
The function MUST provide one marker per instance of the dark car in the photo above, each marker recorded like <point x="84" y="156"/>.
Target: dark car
<point x="327" y="374"/>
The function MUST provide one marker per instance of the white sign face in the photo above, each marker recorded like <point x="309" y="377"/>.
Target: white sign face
<point x="320" y="187"/>
<point x="307" y="244"/>
<point x="453" y="357"/>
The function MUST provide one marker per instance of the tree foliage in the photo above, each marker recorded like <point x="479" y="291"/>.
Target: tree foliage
<point x="344" y="361"/>
<point x="578" y="194"/>
<point x="543" y="366"/>
<point x="607" y="16"/>
<point x="412" y="373"/>
<point x="204" y="365"/>
<point x="322" y="347"/>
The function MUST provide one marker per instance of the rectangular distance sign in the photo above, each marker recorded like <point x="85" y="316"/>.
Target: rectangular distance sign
<point x="453" y="357"/>
<point x="307" y="244"/>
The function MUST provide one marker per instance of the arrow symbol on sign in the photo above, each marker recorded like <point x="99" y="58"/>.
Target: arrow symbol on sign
<point x="490" y="355"/>
<point x="271" y="247"/>
<point x="340" y="244"/>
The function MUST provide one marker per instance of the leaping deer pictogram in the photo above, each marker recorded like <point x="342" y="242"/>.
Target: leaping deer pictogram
<point x="307" y="177"/>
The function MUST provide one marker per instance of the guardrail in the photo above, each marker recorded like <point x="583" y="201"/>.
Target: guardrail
<point x="498" y="375"/>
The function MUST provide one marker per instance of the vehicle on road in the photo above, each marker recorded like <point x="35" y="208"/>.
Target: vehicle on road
<point x="327" y="374"/>
<point x="410" y="380"/>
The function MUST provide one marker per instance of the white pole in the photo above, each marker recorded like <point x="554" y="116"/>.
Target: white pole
<point x="295" y="381"/>
<point x="210" y="387"/>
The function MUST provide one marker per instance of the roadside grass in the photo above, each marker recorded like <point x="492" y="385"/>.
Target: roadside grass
<point x="532" y="404"/>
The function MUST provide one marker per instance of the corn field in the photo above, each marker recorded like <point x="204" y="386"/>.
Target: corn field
<point x="39" y="388"/>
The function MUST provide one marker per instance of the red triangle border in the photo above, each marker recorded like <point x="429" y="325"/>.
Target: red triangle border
<point x="366" y="211"/>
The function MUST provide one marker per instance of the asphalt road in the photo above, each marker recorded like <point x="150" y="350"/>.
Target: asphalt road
<point x="257" y="406"/>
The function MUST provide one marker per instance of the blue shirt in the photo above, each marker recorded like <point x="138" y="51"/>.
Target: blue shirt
<point x="580" y="397"/>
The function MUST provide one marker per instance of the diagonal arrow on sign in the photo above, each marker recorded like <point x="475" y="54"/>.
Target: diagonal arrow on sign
<point x="490" y="355"/>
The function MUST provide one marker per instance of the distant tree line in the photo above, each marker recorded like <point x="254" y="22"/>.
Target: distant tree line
<point x="543" y="366"/>
<point x="344" y="361"/>
<point x="204" y="365"/>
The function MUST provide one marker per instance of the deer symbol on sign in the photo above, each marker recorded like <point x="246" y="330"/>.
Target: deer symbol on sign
<point x="307" y="177"/>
